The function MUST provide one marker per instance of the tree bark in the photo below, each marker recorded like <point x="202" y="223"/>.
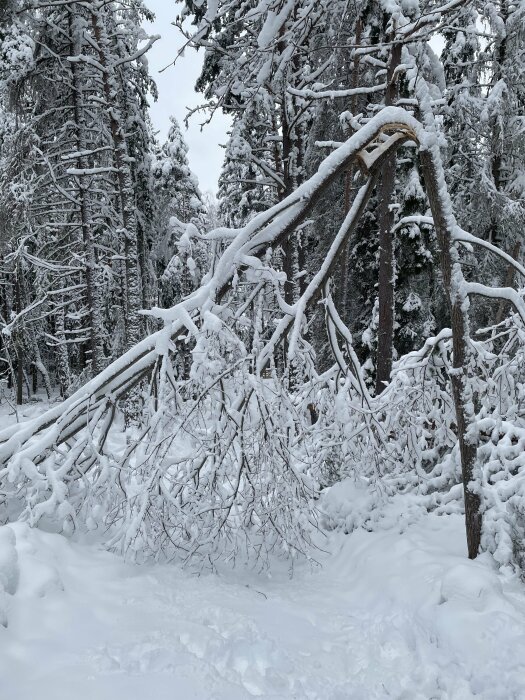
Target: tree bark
<point x="509" y="282"/>
<point x="292" y="161"/>
<point x="458" y="378"/>
<point x="19" y="345"/>
<point x="386" y="281"/>
<point x="343" y="288"/>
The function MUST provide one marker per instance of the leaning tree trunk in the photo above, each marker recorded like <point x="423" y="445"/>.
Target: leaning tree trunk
<point x="451" y="271"/>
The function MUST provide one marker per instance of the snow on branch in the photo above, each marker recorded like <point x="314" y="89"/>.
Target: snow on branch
<point x="241" y="418"/>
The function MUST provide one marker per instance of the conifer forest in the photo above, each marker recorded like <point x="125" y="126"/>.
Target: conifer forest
<point x="266" y="441"/>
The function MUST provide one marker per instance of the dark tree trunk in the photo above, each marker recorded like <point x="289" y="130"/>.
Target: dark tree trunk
<point x="497" y="142"/>
<point x="459" y="325"/>
<point x="19" y="346"/>
<point x="344" y="284"/>
<point x="508" y="282"/>
<point x="385" y="332"/>
<point x="34" y="379"/>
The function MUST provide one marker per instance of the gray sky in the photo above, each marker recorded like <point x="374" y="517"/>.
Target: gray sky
<point x="176" y="94"/>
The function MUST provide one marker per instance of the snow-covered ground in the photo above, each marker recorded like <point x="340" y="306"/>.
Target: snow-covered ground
<point x="387" y="615"/>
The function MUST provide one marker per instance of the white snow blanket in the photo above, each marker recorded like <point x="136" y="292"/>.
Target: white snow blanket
<point x="388" y="615"/>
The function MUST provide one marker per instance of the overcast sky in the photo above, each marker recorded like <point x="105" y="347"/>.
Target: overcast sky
<point x="176" y="94"/>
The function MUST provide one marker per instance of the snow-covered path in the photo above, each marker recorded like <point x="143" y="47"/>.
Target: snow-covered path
<point x="388" y="616"/>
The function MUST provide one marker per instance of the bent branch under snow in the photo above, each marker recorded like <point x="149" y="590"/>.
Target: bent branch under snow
<point x="369" y="147"/>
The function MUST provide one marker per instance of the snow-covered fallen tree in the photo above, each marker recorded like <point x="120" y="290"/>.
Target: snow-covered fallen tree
<point x="232" y="456"/>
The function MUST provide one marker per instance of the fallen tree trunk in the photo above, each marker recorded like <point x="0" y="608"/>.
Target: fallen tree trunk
<point x="23" y="447"/>
<point x="269" y="228"/>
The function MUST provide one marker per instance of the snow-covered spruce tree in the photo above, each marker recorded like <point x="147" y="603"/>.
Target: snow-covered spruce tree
<point x="251" y="62"/>
<point x="418" y="292"/>
<point x="250" y="180"/>
<point x="180" y="258"/>
<point x="179" y="208"/>
<point x="485" y="98"/>
<point x="175" y="184"/>
<point x="463" y="67"/>
<point x="502" y="116"/>
<point x="178" y="201"/>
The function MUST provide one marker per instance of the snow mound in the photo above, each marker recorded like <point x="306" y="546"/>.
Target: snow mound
<point x="471" y="585"/>
<point x="9" y="571"/>
<point x="355" y="503"/>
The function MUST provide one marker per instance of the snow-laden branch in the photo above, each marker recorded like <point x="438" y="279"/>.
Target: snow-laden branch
<point x="8" y="328"/>
<point x="334" y="94"/>
<point x="140" y="52"/>
<point x="336" y="324"/>
<point x="507" y="293"/>
<point x="466" y="237"/>
<point x="21" y="445"/>
<point x="269" y="228"/>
